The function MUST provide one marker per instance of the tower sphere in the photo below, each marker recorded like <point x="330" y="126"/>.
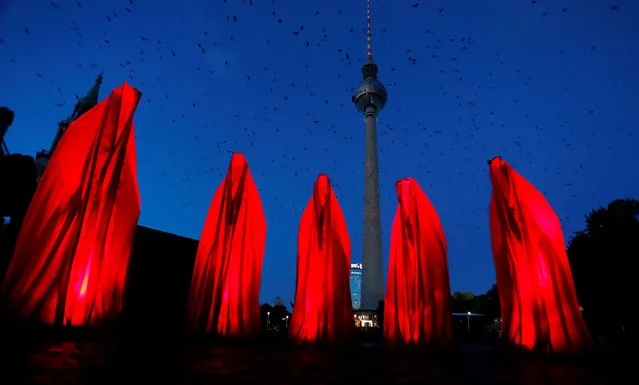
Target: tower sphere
<point x="369" y="92"/>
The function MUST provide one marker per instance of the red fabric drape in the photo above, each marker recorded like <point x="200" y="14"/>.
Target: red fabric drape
<point x="536" y="290"/>
<point x="72" y="254"/>
<point x="417" y="308"/>
<point x="224" y="294"/>
<point x="323" y="311"/>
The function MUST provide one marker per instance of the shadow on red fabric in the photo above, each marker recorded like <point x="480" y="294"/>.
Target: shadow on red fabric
<point x="417" y="309"/>
<point x="71" y="258"/>
<point x="538" y="299"/>
<point x="323" y="312"/>
<point x="224" y="293"/>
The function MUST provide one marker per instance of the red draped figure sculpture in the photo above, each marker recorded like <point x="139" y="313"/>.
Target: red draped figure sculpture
<point x="536" y="290"/>
<point x="72" y="254"/>
<point x="417" y="308"/>
<point x="323" y="311"/>
<point x="224" y="294"/>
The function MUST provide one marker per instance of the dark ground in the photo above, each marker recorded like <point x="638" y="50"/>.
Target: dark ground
<point x="146" y="352"/>
<point x="168" y="360"/>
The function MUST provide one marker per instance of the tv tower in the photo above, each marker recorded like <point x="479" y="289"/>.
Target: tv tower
<point x="369" y="98"/>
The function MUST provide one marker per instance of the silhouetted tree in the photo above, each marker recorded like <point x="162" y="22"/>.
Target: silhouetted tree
<point x="463" y="302"/>
<point x="275" y="315"/>
<point x="488" y="303"/>
<point x="600" y="258"/>
<point x="265" y="315"/>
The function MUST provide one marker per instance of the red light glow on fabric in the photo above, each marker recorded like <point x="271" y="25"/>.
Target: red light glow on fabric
<point x="536" y="290"/>
<point x="71" y="258"/>
<point x="224" y="293"/>
<point x="417" y="309"/>
<point x="323" y="312"/>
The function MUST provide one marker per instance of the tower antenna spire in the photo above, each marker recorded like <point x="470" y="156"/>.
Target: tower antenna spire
<point x="369" y="48"/>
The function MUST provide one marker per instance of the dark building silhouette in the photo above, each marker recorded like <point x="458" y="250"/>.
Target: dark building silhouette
<point x="17" y="186"/>
<point x="160" y="273"/>
<point x="83" y="105"/>
<point x="6" y="119"/>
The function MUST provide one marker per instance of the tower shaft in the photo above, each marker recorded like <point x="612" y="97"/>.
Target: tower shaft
<point x="369" y="97"/>
<point x="372" y="276"/>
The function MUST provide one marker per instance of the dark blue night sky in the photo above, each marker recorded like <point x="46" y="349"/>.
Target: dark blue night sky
<point x="550" y="85"/>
